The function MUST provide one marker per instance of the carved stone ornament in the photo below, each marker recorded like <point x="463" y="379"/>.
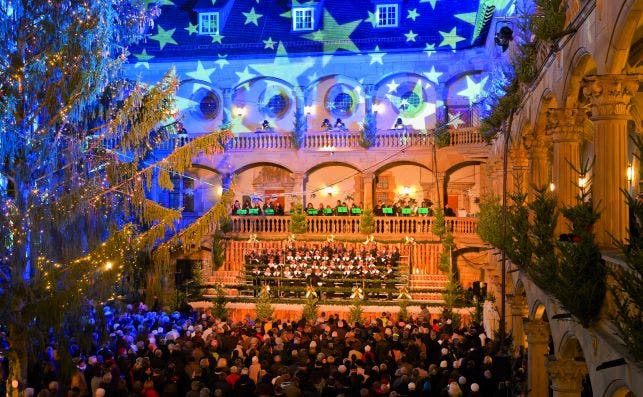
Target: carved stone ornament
<point x="610" y="95"/>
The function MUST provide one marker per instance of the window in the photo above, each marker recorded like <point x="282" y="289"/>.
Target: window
<point x="386" y="15"/>
<point x="182" y="196"/>
<point x="343" y="104"/>
<point x="276" y="106"/>
<point x="410" y="101"/>
<point x="209" y="23"/>
<point x="209" y="106"/>
<point x="303" y="18"/>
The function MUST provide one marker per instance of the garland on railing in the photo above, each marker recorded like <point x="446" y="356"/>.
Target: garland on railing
<point x="254" y="238"/>
<point x="369" y="131"/>
<point x="367" y="221"/>
<point x="298" y="224"/>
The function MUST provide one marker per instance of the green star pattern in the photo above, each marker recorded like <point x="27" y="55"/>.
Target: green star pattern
<point x="335" y="36"/>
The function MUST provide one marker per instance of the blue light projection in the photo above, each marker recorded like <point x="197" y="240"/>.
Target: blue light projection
<point x="256" y="39"/>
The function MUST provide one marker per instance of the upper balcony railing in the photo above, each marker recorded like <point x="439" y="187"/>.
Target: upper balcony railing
<point x="349" y="225"/>
<point x="326" y="140"/>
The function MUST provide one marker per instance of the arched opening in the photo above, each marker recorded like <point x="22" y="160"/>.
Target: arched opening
<point x="331" y="185"/>
<point x="404" y="183"/>
<point x="266" y="185"/>
<point x="462" y="189"/>
<point x="570" y="349"/>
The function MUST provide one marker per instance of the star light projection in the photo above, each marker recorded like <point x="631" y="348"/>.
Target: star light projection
<point x="334" y="36"/>
<point x="337" y="32"/>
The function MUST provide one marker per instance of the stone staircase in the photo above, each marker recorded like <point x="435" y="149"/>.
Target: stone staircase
<point x="227" y="279"/>
<point x="420" y="283"/>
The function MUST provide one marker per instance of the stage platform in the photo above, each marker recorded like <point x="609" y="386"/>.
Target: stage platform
<point x="293" y="311"/>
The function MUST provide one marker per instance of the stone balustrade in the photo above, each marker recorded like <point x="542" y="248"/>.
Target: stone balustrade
<point x="347" y="225"/>
<point x="324" y="140"/>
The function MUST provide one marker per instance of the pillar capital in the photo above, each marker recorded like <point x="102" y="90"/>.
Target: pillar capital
<point x="519" y="305"/>
<point x="610" y="95"/>
<point x="537" y="332"/>
<point x="567" y="375"/>
<point x="565" y="124"/>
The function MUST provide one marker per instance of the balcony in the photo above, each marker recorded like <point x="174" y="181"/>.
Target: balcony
<point x="331" y="140"/>
<point x="394" y="226"/>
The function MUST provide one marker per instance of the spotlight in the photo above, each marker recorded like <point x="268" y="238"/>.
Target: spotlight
<point x="504" y="36"/>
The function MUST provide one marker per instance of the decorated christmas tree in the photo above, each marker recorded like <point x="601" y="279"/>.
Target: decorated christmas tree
<point x="75" y="168"/>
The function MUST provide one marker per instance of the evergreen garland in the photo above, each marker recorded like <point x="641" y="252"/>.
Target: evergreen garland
<point x="627" y="289"/>
<point x="367" y="222"/>
<point x="309" y="312"/>
<point x="549" y="21"/>
<point x="490" y="221"/>
<point x="581" y="282"/>
<point x="543" y="267"/>
<point x="518" y="249"/>
<point x="298" y="224"/>
<point x="219" y="309"/>
<point x="369" y="131"/>
<point x="403" y="313"/>
<point x="300" y="127"/>
<point x="263" y="305"/>
<point x="356" y="311"/>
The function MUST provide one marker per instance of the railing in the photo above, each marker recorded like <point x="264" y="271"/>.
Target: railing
<point x="326" y="140"/>
<point x="349" y="225"/>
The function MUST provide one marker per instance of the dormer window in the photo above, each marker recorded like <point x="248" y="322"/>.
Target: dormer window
<point x="209" y="23"/>
<point x="303" y="18"/>
<point x="386" y="15"/>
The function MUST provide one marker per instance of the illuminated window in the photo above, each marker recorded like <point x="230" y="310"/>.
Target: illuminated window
<point x="303" y="18"/>
<point x="276" y="106"/>
<point x="209" y="106"/>
<point x="410" y="100"/>
<point x="209" y="23"/>
<point x="386" y="15"/>
<point x="342" y="104"/>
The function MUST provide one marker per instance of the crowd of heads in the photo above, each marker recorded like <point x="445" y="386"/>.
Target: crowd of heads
<point x="141" y="352"/>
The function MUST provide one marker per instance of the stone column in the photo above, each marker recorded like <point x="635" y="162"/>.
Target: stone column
<point x="610" y="97"/>
<point x="368" y="189"/>
<point x="520" y="170"/>
<point x="299" y="190"/>
<point x="226" y="181"/>
<point x="566" y="128"/>
<point x="227" y="107"/>
<point x="518" y="313"/>
<point x="538" y="155"/>
<point x="567" y="377"/>
<point x="538" y="345"/>
<point x="369" y="90"/>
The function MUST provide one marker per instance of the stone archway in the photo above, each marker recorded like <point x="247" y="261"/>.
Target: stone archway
<point x="568" y="373"/>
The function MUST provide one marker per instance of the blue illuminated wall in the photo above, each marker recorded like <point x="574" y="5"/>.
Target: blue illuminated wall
<point x="434" y="64"/>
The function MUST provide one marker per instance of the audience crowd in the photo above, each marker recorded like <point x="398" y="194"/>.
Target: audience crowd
<point x="151" y="353"/>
